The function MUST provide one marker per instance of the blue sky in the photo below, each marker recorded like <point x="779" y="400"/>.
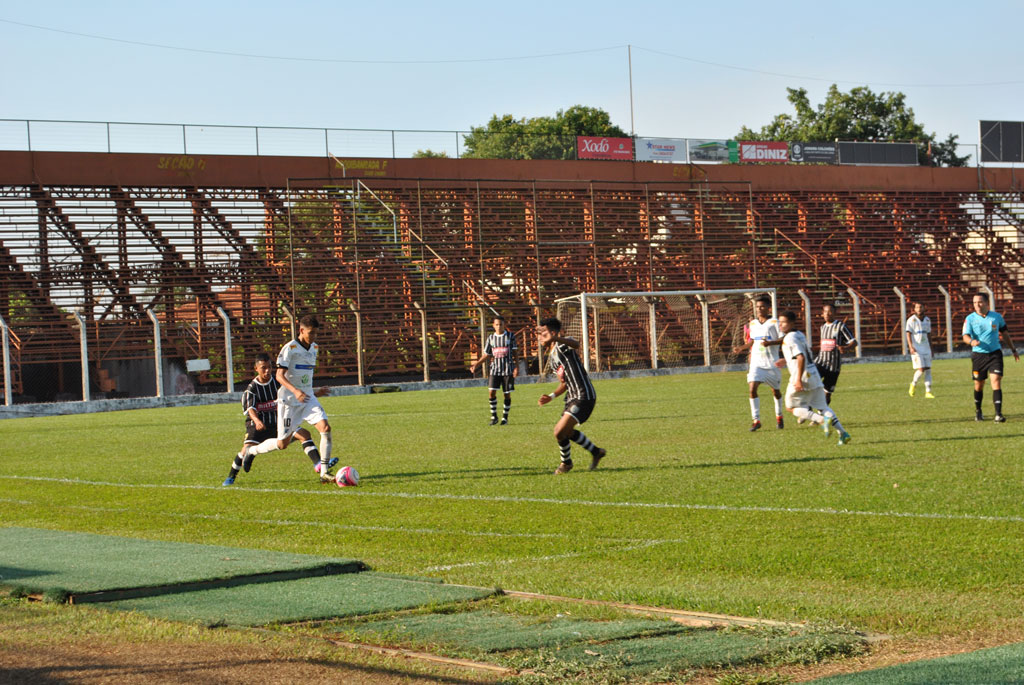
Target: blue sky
<point x="441" y="65"/>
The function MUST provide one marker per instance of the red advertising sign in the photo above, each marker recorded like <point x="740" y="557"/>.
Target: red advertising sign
<point x="751" y="151"/>
<point x="598" y="147"/>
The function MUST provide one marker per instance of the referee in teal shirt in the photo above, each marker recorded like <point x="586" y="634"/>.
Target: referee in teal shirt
<point x="981" y="331"/>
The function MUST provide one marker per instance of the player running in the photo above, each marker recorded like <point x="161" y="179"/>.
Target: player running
<point x="834" y="339"/>
<point x="805" y="394"/>
<point x="580" y="398"/>
<point x="259" y="403"/>
<point x="762" y="359"/>
<point x="981" y="331"/>
<point x="501" y="349"/>
<point x="918" y="332"/>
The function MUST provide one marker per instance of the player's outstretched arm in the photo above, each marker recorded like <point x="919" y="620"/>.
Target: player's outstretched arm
<point x="544" y="399"/>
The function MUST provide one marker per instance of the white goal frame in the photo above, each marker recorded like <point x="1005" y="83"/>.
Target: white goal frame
<point x="701" y="296"/>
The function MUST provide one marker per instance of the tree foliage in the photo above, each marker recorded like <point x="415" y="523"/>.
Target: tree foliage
<point x="554" y="137"/>
<point x="857" y="115"/>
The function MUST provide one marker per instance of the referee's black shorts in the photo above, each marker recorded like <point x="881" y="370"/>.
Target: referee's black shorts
<point x="985" y="363"/>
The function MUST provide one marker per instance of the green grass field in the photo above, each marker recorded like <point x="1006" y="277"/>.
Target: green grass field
<point x="914" y="529"/>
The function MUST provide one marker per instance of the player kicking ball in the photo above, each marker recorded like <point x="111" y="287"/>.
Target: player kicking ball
<point x="580" y="396"/>
<point x="805" y="394"/>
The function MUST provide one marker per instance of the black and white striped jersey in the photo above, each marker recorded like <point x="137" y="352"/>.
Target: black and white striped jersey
<point x="502" y="348"/>
<point x="263" y="398"/>
<point x="833" y="334"/>
<point x="569" y="367"/>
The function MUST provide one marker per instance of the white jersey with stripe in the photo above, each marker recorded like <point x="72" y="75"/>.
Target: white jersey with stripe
<point x="567" y="364"/>
<point x="299" y="362"/>
<point x="762" y="356"/>
<point x="793" y="346"/>
<point x="919" y="330"/>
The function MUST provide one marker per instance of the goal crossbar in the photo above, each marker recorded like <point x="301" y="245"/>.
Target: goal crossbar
<point x="701" y="295"/>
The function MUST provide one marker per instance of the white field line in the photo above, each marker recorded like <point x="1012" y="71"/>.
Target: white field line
<point x="549" y="557"/>
<point x="363" y="492"/>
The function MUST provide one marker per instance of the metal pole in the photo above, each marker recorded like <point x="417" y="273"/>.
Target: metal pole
<point x="629" y="52"/>
<point x="359" y="345"/>
<point x="229" y="364"/>
<point x="595" y="320"/>
<point x="157" y="356"/>
<point x="903" y="319"/>
<point x="423" y="339"/>
<point x="653" y="325"/>
<point x="257" y="129"/>
<point x="807" y="316"/>
<point x="483" y="336"/>
<point x="585" y="334"/>
<point x="184" y="141"/>
<point x="991" y="296"/>
<point x="83" y="336"/>
<point x="5" y="332"/>
<point x="291" y="318"/>
<point x="949" y="319"/>
<point x="705" y="328"/>
<point x="108" y="137"/>
<point x="392" y="143"/>
<point x="856" y="318"/>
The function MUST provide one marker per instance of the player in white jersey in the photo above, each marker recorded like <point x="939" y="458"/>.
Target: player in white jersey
<point x="805" y="394"/>
<point x="297" y="399"/>
<point x="763" y="359"/>
<point x="918" y="332"/>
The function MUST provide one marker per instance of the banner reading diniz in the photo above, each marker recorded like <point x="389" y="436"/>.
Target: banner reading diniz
<point x="597" y="147"/>
<point x="764" y="151"/>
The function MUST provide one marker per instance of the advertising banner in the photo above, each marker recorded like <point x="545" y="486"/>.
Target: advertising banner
<point x="598" y="147"/>
<point x="814" y="153"/>
<point x="764" y="151"/>
<point x="705" y="150"/>
<point x="661" y="149"/>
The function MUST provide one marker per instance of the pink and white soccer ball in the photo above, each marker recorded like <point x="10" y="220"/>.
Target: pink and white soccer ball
<point x="347" y="477"/>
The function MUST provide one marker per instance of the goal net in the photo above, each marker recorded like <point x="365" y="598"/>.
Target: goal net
<point x="649" y="330"/>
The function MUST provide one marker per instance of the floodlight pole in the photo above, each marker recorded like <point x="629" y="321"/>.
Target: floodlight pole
<point x="157" y="355"/>
<point x="84" y="344"/>
<point x="949" y="319"/>
<point x="807" y="315"/>
<point x="229" y="364"/>
<point x="856" y="317"/>
<point x="5" y="332"/>
<point x="903" y="319"/>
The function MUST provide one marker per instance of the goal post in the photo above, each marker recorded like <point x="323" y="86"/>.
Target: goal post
<point x="652" y="329"/>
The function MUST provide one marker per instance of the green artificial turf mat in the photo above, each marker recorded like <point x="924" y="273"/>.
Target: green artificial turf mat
<point x="490" y="631"/>
<point x="52" y="561"/>
<point x="996" y="666"/>
<point x="304" y="599"/>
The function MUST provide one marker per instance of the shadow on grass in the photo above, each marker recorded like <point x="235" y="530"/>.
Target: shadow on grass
<point x="947" y="438"/>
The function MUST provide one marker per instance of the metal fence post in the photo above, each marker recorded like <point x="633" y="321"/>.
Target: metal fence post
<point x="856" y="318"/>
<point x="157" y="354"/>
<point x="652" y="322"/>
<point x="291" y="318"/>
<point x="359" y="345"/>
<point x="991" y="296"/>
<point x="229" y="359"/>
<point x="807" y="316"/>
<point x="903" y="319"/>
<point x="8" y="396"/>
<point x="705" y="328"/>
<point x="85" y="355"/>
<point x="949" y="319"/>
<point x="585" y="334"/>
<point x="423" y="339"/>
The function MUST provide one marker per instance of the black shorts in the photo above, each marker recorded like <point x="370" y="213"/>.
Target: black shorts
<point x="504" y="383"/>
<point x="829" y="379"/>
<point x="985" y="363"/>
<point x="257" y="436"/>
<point x="580" y="409"/>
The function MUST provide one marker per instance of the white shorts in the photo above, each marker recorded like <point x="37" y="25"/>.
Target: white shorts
<point x="290" y="418"/>
<point x="813" y="398"/>
<point x="921" y="361"/>
<point x="772" y="376"/>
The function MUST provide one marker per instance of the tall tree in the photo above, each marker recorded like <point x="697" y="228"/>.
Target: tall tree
<point x="858" y="115"/>
<point x="554" y="137"/>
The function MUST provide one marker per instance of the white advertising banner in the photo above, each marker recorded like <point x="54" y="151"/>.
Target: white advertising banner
<point x="661" y="150"/>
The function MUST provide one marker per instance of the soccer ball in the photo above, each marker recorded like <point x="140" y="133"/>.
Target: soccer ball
<point x="347" y="476"/>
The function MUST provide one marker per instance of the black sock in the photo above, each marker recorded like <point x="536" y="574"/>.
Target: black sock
<point x="234" y="472"/>
<point x="582" y="440"/>
<point x="309" y="447"/>
<point x="565" y="447"/>
<point x="997" y="400"/>
<point x="494" y="408"/>
<point x="978" y="396"/>
<point x="508" y="405"/>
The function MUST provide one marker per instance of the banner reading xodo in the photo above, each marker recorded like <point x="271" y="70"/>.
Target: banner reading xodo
<point x="598" y="147"/>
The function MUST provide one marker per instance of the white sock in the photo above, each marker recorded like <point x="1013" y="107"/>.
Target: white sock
<point x="831" y="416"/>
<point x="928" y="380"/>
<point x="917" y="376"/>
<point x="755" y="408"/>
<point x="778" y="405"/>
<point x="325" y="449"/>
<point x="808" y="415"/>
<point x="268" y="445"/>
